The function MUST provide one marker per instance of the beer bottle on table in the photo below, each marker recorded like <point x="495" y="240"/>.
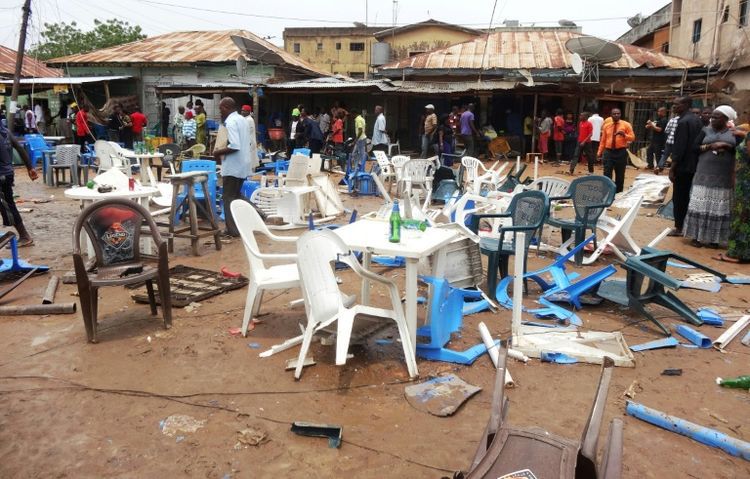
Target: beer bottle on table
<point x="395" y="222"/>
<point x="414" y="224"/>
<point x="741" y="382"/>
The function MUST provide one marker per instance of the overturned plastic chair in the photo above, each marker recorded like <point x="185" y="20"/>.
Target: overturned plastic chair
<point x="504" y="449"/>
<point x="446" y="311"/>
<point x="326" y="304"/>
<point x="262" y="278"/>
<point x="418" y="173"/>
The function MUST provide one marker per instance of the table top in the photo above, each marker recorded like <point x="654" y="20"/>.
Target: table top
<point x="54" y="138"/>
<point x="133" y="154"/>
<point x="372" y="236"/>
<point x="84" y="193"/>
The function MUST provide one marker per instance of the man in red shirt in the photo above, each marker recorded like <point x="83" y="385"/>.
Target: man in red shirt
<point x="139" y="122"/>
<point x="83" y="132"/>
<point x="585" y="130"/>
<point x="558" y="133"/>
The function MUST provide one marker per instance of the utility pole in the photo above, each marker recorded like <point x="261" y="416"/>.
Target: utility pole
<point x="19" y="57"/>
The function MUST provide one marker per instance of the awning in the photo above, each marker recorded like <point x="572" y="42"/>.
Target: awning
<point x="207" y="88"/>
<point x="52" y="81"/>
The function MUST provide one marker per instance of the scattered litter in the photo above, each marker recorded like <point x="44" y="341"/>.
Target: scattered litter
<point x="672" y="372"/>
<point x="699" y="339"/>
<point x="741" y="382"/>
<point x="704" y="435"/>
<point x="383" y="341"/>
<point x="148" y="338"/>
<point x="633" y="389"/>
<point x="669" y="342"/>
<point x="235" y="331"/>
<point x="559" y="358"/>
<point x="252" y="437"/>
<point x="717" y="417"/>
<point x="192" y="307"/>
<point x="253" y="345"/>
<point x="738" y="279"/>
<point x="703" y="281"/>
<point x="292" y="363"/>
<point x="179" y="439"/>
<point x="332" y="431"/>
<point x="441" y="396"/>
<point x="229" y="274"/>
<point x="728" y="335"/>
<point x="179" y="423"/>
<point x="710" y="316"/>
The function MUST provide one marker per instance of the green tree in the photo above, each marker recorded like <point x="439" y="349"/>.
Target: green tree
<point x="61" y="39"/>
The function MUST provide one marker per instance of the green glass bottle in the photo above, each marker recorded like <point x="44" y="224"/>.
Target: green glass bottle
<point x="90" y="185"/>
<point x="740" y="382"/>
<point x="395" y="221"/>
<point x="414" y="225"/>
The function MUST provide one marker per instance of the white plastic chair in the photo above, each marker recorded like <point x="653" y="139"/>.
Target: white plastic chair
<point x="551" y="185"/>
<point x="109" y="157"/>
<point x="418" y="173"/>
<point x="262" y="277"/>
<point x="396" y="145"/>
<point x="482" y="205"/>
<point x="387" y="172"/>
<point x="398" y="162"/>
<point x="325" y="303"/>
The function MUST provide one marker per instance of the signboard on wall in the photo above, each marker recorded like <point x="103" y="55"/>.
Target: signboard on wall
<point x="60" y="88"/>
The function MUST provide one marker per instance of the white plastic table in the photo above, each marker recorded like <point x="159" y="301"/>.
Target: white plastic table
<point x="89" y="195"/>
<point x="371" y="237"/>
<point x="54" y="139"/>
<point x="144" y="161"/>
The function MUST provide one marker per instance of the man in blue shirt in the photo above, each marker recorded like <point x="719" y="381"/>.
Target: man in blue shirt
<point x="10" y="214"/>
<point x="235" y="166"/>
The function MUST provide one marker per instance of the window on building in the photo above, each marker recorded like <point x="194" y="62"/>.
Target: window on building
<point x="743" y="13"/>
<point x="725" y="15"/>
<point x="338" y="45"/>
<point x="320" y="47"/>
<point x="296" y="48"/>
<point x="665" y="47"/>
<point x="357" y="47"/>
<point x="697" y="26"/>
<point x="357" y="75"/>
<point x="676" y="12"/>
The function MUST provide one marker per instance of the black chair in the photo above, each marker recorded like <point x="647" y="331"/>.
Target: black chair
<point x="171" y="152"/>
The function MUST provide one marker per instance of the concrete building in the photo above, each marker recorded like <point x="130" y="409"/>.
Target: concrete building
<point x="353" y="51"/>
<point x="652" y="32"/>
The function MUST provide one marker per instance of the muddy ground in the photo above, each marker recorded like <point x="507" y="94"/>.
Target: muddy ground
<point x="73" y="409"/>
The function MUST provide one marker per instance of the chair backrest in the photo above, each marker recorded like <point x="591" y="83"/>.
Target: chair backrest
<point x="114" y="228"/>
<point x="296" y="174"/>
<point x="591" y="190"/>
<point x="398" y="161"/>
<point x="301" y="151"/>
<point x="248" y="223"/>
<point x="194" y="151"/>
<point x="107" y="154"/>
<point x="317" y="253"/>
<point x="382" y="159"/>
<point x="551" y="185"/>
<point x="418" y="170"/>
<point x="202" y="165"/>
<point x="471" y="166"/>
<point x="67" y="155"/>
<point x="267" y="200"/>
<point x="170" y="151"/>
<point x="529" y="208"/>
<point x="35" y="142"/>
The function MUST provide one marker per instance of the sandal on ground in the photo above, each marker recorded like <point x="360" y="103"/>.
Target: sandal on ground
<point x="696" y="244"/>
<point x="23" y="242"/>
<point x="726" y="258"/>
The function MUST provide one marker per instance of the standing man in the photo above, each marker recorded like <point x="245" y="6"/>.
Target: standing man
<point x="379" y="136"/>
<point x="29" y="120"/>
<point x="41" y="122"/>
<point x="83" y="132"/>
<point x="545" y="130"/>
<point x="324" y="120"/>
<point x="669" y="142"/>
<point x="235" y="167"/>
<point x="597" y="122"/>
<point x="247" y="112"/>
<point x="468" y="129"/>
<point x="558" y="134"/>
<point x="165" y="114"/>
<point x="613" y="147"/>
<point x="585" y="130"/>
<point x="528" y="132"/>
<point x="360" y="147"/>
<point x="114" y="124"/>
<point x="139" y="123"/>
<point x="658" y="137"/>
<point x="292" y="142"/>
<point x="10" y="214"/>
<point x="430" y="127"/>
<point x="684" y="159"/>
<point x="312" y="133"/>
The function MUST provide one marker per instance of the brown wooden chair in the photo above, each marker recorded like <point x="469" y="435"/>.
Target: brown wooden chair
<point x="114" y="228"/>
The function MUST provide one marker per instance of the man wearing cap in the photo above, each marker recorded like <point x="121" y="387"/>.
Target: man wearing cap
<point x="430" y="126"/>
<point x="235" y="165"/>
<point x="247" y="112"/>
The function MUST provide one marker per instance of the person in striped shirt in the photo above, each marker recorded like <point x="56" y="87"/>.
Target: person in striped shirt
<point x="668" y="144"/>
<point x="189" y="129"/>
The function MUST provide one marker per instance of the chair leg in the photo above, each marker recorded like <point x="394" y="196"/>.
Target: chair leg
<point x="492" y="267"/>
<point x="306" y="340"/>
<point x="258" y="302"/>
<point x="411" y="360"/>
<point x="151" y="297"/>
<point x="252" y="292"/>
<point x="94" y="314"/>
<point x="343" y="336"/>
<point x="580" y="234"/>
<point x="165" y="294"/>
<point x="84" y="294"/>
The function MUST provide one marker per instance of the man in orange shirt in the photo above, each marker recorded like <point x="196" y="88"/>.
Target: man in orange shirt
<point x="617" y="134"/>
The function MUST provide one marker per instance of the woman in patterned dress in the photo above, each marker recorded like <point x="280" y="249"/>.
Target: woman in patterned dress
<point x="739" y="234"/>
<point x="711" y="198"/>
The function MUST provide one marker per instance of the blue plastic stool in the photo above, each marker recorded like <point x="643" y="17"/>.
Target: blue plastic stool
<point x="446" y="317"/>
<point x="302" y="151"/>
<point x="11" y="267"/>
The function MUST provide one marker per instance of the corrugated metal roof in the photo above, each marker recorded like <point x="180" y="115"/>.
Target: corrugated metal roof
<point x="531" y="50"/>
<point x="49" y="81"/>
<point x="30" y="68"/>
<point x="453" y="87"/>
<point x="180" y="47"/>
<point x="427" y="23"/>
<point x="332" y="83"/>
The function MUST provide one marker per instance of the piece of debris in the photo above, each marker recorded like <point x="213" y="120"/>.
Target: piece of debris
<point x="559" y="358"/>
<point x="669" y="342"/>
<point x="252" y="437"/>
<point x="292" y="363"/>
<point x="441" y="396"/>
<point x="710" y="316"/>
<point x="703" y="281"/>
<point x="633" y="389"/>
<point x="332" y="431"/>
<point x="699" y="339"/>
<point x="672" y="372"/>
<point x="192" y="307"/>
<point x="229" y="274"/>
<point x="235" y="331"/>
<point x="180" y="424"/>
<point x="253" y="345"/>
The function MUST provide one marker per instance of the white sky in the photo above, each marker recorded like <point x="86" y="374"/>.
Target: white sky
<point x="597" y="17"/>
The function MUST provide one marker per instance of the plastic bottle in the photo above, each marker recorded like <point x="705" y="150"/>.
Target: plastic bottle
<point x="740" y="382"/>
<point x="395" y="222"/>
<point x="414" y="225"/>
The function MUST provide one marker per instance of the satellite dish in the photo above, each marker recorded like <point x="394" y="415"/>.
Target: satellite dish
<point x="257" y="50"/>
<point x="577" y="63"/>
<point x="241" y="64"/>
<point x="591" y="52"/>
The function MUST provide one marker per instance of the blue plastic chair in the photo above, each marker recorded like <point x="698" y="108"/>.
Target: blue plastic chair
<point x="248" y="186"/>
<point x="445" y="318"/>
<point x="37" y="147"/>
<point x="302" y="151"/>
<point x="14" y="267"/>
<point x="200" y="165"/>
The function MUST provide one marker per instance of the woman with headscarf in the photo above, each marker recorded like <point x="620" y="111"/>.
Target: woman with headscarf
<point x="710" y="210"/>
<point x="739" y="232"/>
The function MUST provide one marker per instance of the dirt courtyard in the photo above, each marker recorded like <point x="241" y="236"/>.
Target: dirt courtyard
<point x="70" y="409"/>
